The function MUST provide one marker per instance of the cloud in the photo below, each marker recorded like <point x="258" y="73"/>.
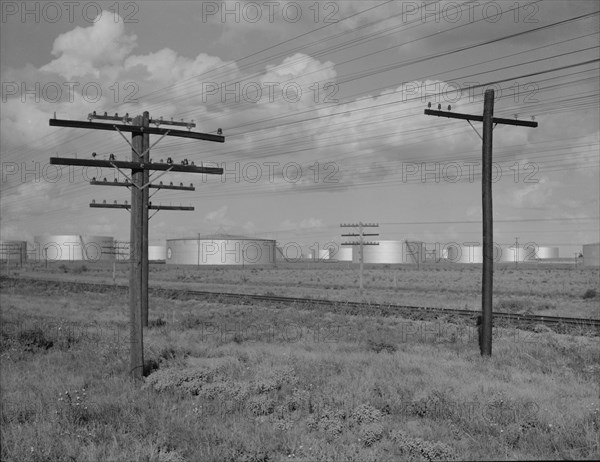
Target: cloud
<point x="217" y="216"/>
<point x="306" y="224"/>
<point x="88" y="50"/>
<point x="536" y="196"/>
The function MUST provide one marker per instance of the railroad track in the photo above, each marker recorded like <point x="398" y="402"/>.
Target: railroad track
<point x="348" y="307"/>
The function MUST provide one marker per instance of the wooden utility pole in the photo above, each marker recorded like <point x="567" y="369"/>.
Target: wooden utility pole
<point x="136" y="297"/>
<point x="488" y="225"/>
<point x="489" y="122"/>
<point x="139" y="182"/>
<point x="361" y="242"/>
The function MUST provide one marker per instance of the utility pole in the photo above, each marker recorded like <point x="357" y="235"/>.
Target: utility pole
<point x="517" y="254"/>
<point x="139" y="182"/>
<point x="489" y="122"/>
<point x="361" y="242"/>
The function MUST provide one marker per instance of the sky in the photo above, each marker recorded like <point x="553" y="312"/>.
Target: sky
<point x="322" y="108"/>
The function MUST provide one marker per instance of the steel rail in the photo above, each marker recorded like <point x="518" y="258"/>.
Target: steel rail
<point x="415" y="310"/>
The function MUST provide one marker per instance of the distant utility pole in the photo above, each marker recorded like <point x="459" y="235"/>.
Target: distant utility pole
<point x="517" y="254"/>
<point x="489" y="122"/>
<point x="139" y="182"/>
<point x="361" y="242"/>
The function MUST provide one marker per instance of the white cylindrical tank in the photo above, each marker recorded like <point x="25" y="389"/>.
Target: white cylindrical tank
<point x="591" y="254"/>
<point x="413" y="252"/>
<point x="512" y="254"/>
<point x="342" y="253"/>
<point x="389" y="252"/>
<point x="528" y="252"/>
<point x="466" y="253"/>
<point x="74" y="248"/>
<point x="221" y="249"/>
<point x="457" y="253"/>
<point x="546" y="253"/>
<point x="157" y="253"/>
<point x="324" y="254"/>
<point x="13" y="251"/>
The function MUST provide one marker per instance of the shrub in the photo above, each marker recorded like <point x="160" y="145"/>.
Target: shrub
<point x="190" y="380"/>
<point x="365" y="414"/>
<point x="34" y="339"/>
<point x="80" y="269"/>
<point x="381" y="346"/>
<point x="159" y="322"/>
<point x="419" y="449"/>
<point x="371" y="433"/>
<point x="590" y="293"/>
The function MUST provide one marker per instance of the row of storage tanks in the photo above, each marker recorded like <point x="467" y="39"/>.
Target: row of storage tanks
<point x="225" y="249"/>
<point x="72" y="247"/>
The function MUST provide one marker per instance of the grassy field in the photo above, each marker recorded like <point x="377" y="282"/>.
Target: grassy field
<point x="545" y="289"/>
<point x="254" y="383"/>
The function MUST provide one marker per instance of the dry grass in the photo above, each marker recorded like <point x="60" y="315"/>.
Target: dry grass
<point x="550" y="290"/>
<point x="251" y="383"/>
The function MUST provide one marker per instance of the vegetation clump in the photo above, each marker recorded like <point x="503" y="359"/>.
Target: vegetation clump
<point x="590" y="293"/>
<point x="419" y="449"/>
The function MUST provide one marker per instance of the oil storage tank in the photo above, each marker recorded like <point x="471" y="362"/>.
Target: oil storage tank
<point x="157" y="253"/>
<point x="74" y="247"/>
<point x="388" y="252"/>
<point x="591" y="254"/>
<point x="546" y="253"/>
<point x="221" y="249"/>
<point x="512" y="254"/>
<point x="342" y="253"/>
<point x="413" y="252"/>
<point x="457" y="253"/>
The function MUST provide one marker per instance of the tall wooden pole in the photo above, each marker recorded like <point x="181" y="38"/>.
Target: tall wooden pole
<point x="488" y="246"/>
<point x="360" y="228"/>
<point x="140" y="166"/>
<point x="488" y="119"/>
<point x="136" y="332"/>
<point x="145" y="199"/>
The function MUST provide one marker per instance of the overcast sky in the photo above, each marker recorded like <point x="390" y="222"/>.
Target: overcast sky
<point x="321" y="105"/>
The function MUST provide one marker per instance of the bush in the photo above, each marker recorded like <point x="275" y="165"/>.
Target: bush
<point x="34" y="339"/>
<point x="417" y="448"/>
<point x="590" y="293"/>
<point x="159" y="322"/>
<point x="378" y="347"/>
<point x="80" y="269"/>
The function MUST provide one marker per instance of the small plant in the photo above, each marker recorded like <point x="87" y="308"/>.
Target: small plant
<point x="158" y="322"/>
<point x="590" y="293"/>
<point x="74" y="406"/>
<point x="80" y="269"/>
<point x="378" y="347"/>
<point x="34" y="339"/>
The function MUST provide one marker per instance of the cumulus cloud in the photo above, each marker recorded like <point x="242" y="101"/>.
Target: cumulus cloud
<point x="88" y="50"/>
<point x="217" y="216"/>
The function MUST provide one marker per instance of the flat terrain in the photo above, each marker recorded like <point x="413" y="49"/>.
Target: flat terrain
<point x="544" y="289"/>
<point x="233" y="382"/>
